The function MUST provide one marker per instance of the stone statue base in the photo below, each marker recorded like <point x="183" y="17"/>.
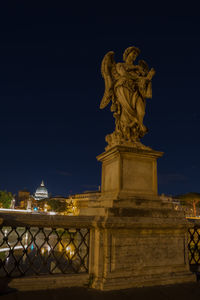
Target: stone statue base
<point x="114" y="139"/>
<point x="127" y="172"/>
<point x="138" y="240"/>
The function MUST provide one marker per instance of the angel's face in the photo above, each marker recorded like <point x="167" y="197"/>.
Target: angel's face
<point x="132" y="57"/>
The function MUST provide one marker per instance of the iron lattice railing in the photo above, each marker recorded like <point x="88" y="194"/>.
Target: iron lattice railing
<point x="38" y="250"/>
<point x="194" y="245"/>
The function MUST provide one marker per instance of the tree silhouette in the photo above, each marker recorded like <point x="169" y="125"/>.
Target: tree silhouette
<point x="5" y="199"/>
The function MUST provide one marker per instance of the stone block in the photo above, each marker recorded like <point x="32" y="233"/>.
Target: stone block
<point x="128" y="252"/>
<point x="129" y="170"/>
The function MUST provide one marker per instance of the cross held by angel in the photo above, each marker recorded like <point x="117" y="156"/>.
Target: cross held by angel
<point x="127" y="85"/>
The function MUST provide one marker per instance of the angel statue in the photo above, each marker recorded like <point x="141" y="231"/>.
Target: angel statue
<point x="127" y="85"/>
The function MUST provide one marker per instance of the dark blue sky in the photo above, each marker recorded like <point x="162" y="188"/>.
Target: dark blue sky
<point x="51" y="127"/>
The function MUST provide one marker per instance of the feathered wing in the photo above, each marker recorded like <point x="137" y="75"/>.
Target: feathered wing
<point x="106" y="71"/>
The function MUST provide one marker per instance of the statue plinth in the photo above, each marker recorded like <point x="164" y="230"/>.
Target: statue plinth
<point x="143" y="240"/>
<point x="129" y="171"/>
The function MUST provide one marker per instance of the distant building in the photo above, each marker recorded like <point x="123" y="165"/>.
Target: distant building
<point x="41" y="192"/>
<point x="21" y="198"/>
<point x="23" y="195"/>
<point x="83" y="200"/>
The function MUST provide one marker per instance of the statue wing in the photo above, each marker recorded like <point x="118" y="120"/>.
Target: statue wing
<point x="107" y="64"/>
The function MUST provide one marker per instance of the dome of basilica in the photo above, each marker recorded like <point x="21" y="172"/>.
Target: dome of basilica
<point x="41" y="192"/>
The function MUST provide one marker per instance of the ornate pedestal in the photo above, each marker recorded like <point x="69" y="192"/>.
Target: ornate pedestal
<point x="128" y="172"/>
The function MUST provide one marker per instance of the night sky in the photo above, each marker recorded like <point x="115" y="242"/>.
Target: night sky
<point x="51" y="127"/>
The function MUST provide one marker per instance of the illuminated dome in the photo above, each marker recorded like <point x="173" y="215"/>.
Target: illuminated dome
<point x="41" y="192"/>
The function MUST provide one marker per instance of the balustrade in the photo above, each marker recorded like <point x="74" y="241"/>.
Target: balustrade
<point x="39" y="249"/>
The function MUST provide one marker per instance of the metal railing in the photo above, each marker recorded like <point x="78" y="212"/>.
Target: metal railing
<point x="194" y="246"/>
<point x="43" y="248"/>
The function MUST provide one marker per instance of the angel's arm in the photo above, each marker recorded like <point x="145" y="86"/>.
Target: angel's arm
<point x="127" y="71"/>
<point x="151" y="74"/>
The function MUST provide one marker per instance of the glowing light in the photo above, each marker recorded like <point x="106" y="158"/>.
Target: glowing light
<point x="42" y="250"/>
<point x="11" y="248"/>
<point x="13" y="209"/>
<point x="70" y="251"/>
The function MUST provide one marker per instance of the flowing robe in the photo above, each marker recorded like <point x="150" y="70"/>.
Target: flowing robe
<point x="131" y="90"/>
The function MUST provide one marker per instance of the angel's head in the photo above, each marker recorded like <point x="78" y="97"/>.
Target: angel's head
<point x="130" y="54"/>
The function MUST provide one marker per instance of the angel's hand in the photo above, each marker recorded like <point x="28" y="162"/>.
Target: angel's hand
<point x="151" y="73"/>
